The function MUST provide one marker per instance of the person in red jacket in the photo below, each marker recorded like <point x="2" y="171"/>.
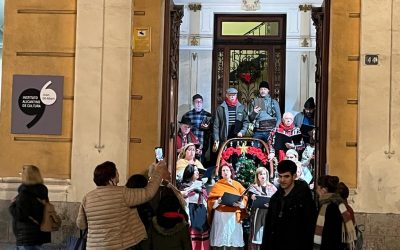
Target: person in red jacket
<point x="185" y="136"/>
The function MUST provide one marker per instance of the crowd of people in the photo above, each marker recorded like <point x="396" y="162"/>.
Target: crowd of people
<point x="150" y="213"/>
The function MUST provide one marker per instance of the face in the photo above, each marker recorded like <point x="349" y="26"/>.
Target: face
<point x="309" y="112"/>
<point x="196" y="174"/>
<point x="226" y="173"/>
<point x="115" y="180"/>
<point x="291" y="157"/>
<point x="320" y="190"/>
<point x="287" y="120"/>
<point x="198" y="104"/>
<point x="264" y="92"/>
<point x="231" y="97"/>
<point x="185" y="129"/>
<point x="190" y="153"/>
<point x="286" y="180"/>
<point x="262" y="176"/>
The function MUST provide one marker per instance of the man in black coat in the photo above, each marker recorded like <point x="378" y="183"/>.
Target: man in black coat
<point x="291" y="217"/>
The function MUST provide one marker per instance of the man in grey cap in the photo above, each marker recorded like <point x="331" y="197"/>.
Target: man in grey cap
<point x="230" y="119"/>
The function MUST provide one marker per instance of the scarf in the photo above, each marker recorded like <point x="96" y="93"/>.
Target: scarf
<point x="348" y="230"/>
<point x="231" y="103"/>
<point x="219" y="188"/>
<point x="173" y="215"/>
<point x="287" y="130"/>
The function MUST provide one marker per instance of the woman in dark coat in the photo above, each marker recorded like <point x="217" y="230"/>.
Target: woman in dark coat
<point x="27" y="210"/>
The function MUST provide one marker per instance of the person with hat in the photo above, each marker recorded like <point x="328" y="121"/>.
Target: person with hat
<point x="230" y="119"/>
<point x="201" y="122"/>
<point x="185" y="136"/>
<point x="266" y="114"/>
<point x="306" y="117"/>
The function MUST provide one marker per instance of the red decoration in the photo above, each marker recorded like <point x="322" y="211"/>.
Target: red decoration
<point x="250" y="150"/>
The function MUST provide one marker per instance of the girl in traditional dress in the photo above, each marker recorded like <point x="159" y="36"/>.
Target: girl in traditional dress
<point x="226" y="228"/>
<point x="196" y="198"/>
<point x="261" y="187"/>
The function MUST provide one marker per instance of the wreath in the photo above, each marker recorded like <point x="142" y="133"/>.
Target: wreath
<point x="248" y="71"/>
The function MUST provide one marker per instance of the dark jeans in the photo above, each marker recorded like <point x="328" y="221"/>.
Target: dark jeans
<point x="262" y="135"/>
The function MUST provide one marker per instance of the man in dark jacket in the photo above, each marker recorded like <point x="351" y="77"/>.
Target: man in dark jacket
<point x="230" y="119"/>
<point x="290" y="221"/>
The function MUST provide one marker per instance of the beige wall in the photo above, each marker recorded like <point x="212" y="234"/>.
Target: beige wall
<point x="379" y="112"/>
<point x="111" y="98"/>
<point x="343" y="86"/>
<point x="146" y="88"/>
<point x="37" y="29"/>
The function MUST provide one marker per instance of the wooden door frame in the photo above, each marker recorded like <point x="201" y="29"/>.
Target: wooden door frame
<point x="172" y="19"/>
<point x="241" y="42"/>
<point x="321" y="19"/>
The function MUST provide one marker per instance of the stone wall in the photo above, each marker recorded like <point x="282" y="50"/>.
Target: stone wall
<point x="382" y="231"/>
<point x="67" y="210"/>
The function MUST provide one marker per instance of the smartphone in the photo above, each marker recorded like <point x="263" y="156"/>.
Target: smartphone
<point x="159" y="154"/>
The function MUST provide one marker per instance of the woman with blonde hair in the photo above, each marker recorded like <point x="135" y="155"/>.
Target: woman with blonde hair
<point x="259" y="189"/>
<point x="27" y="210"/>
<point x="187" y="157"/>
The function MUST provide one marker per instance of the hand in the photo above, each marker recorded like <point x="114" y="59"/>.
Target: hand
<point x="163" y="170"/>
<point x="256" y="109"/>
<point x="271" y="156"/>
<point x="204" y="126"/>
<point x="198" y="151"/>
<point x="253" y="197"/>
<point x="239" y="134"/>
<point x="237" y="204"/>
<point x="266" y="205"/>
<point x="215" y="146"/>
<point x="289" y="145"/>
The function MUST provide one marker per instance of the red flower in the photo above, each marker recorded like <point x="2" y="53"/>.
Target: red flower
<point x="257" y="152"/>
<point x="246" y="77"/>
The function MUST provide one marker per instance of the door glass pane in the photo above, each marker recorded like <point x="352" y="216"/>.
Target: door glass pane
<point x="247" y="69"/>
<point x="250" y="28"/>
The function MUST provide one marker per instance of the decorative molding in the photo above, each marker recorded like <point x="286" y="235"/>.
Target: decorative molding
<point x="139" y="13"/>
<point x="354" y="15"/>
<point x="352" y="101"/>
<point x="41" y="139"/>
<point x="389" y="153"/>
<point x="351" y="144"/>
<point x="135" y="140"/>
<point x="305" y="7"/>
<point x="194" y="40"/>
<point x="251" y="5"/>
<point x="194" y="6"/>
<point x="305" y="43"/>
<point x="194" y="56"/>
<point x="353" y="58"/>
<point x="136" y="97"/>
<point x="137" y="54"/>
<point x="304" y="57"/>
<point x="46" y="54"/>
<point x="38" y="11"/>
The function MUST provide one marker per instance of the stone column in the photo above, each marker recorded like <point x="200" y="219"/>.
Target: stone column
<point x="102" y="90"/>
